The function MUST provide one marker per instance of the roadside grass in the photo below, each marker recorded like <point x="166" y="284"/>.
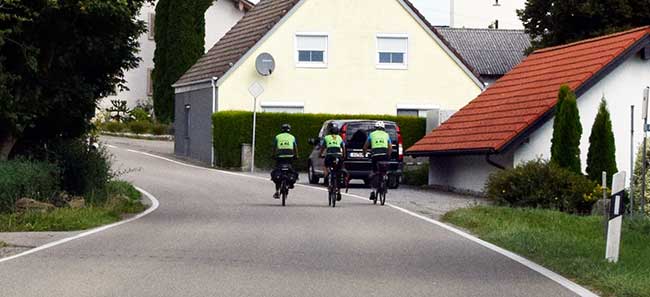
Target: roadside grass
<point x="3" y="244"/>
<point x="119" y="198"/>
<point x="573" y="246"/>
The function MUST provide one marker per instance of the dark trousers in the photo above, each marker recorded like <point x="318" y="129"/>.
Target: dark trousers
<point x="279" y="163"/>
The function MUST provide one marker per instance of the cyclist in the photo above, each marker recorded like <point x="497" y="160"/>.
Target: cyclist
<point x="381" y="148"/>
<point x="333" y="146"/>
<point x="285" y="151"/>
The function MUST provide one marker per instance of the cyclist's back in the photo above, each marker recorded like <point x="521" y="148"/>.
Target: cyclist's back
<point x="285" y="151"/>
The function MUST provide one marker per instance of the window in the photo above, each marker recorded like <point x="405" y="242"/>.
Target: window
<point x="408" y="113"/>
<point x="283" y="107"/>
<point x="311" y="50"/>
<point x="392" y="51"/>
<point x="149" y="82"/>
<point x="152" y="24"/>
<point x="415" y="110"/>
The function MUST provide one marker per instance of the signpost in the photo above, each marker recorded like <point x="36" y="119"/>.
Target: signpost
<point x="616" y="209"/>
<point x="256" y="90"/>
<point x="644" y="111"/>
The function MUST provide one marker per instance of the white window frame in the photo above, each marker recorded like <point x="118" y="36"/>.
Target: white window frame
<point x="300" y="64"/>
<point x="421" y="108"/>
<point x="283" y="104"/>
<point x="400" y="66"/>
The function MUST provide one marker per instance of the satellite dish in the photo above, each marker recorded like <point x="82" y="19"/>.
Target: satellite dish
<point x="265" y="64"/>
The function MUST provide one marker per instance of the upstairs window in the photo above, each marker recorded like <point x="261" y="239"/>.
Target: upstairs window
<point x="392" y="51"/>
<point x="311" y="50"/>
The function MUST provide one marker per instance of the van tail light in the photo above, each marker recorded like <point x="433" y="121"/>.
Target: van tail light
<point x="344" y="131"/>
<point x="400" y="146"/>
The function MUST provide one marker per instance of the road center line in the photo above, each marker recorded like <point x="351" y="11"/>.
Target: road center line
<point x="568" y="284"/>
<point x="154" y="205"/>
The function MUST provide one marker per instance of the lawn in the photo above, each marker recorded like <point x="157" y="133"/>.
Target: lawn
<point x="119" y="198"/>
<point x="573" y="246"/>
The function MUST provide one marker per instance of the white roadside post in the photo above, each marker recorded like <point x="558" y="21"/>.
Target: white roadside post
<point x="644" y="168"/>
<point x="256" y="90"/>
<point x="616" y="210"/>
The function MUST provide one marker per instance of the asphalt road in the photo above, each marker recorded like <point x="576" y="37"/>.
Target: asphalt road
<point x="218" y="234"/>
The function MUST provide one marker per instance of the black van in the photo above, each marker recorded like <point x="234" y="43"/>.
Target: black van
<point x="355" y="133"/>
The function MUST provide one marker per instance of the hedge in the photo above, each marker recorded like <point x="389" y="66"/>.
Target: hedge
<point x="232" y="128"/>
<point x="26" y="179"/>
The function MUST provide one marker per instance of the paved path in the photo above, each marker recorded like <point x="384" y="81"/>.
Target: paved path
<point x="219" y="234"/>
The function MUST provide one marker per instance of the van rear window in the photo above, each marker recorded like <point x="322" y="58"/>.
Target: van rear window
<point x="357" y="133"/>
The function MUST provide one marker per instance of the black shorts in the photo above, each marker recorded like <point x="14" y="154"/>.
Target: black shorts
<point x="376" y="160"/>
<point x="329" y="160"/>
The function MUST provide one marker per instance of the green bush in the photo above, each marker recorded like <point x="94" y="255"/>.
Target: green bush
<point x="26" y="179"/>
<point x="543" y="185"/>
<point x="159" y="129"/>
<point x="232" y="128"/>
<point x="416" y="175"/>
<point x="602" y="147"/>
<point x="112" y="126"/>
<point x="139" y="127"/>
<point x="567" y="130"/>
<point x="84" y="170"/>
<point x="138" y="114"/>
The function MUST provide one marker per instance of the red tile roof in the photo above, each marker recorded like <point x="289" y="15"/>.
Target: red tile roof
<point x="525" y="96"/>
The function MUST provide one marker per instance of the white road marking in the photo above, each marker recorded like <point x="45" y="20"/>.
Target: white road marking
<point x="572" y="286"/>
<point x="153" y="207"/>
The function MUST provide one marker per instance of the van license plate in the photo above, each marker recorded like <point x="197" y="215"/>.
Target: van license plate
<point x="356" y="155"/>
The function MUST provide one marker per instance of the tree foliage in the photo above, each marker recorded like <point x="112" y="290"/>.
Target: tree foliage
<point x="602" y="147"/>
<point x="57" y="58"/>
<point x="180" y="42"/>
<point x="567" y="130"/>
<point x="555" y="22"/>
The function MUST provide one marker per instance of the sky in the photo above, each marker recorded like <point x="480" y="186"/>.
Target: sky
<point x="436" y="11"/>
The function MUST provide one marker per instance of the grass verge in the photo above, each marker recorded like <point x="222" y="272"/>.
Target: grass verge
<point x="3" y="244"/>
<point x="571" y="245"/>
<point x="120" y="198"/>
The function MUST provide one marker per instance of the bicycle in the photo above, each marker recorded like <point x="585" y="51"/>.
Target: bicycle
<point x="286" y="175"/>
<point x="382" y="187"/>
<point x="333" y="186"/>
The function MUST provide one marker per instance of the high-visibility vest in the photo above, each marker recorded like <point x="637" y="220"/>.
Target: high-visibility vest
<point x="285" y="145"/>
<point x="333" y="144"/>
<point x="379" y="142"/>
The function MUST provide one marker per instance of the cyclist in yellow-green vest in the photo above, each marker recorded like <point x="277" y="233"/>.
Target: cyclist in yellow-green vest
<point x="333" y="147"/>
<point x="380" y="144"/>
<point x="285" y="150"/>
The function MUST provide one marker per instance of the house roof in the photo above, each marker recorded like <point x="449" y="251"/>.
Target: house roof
<point x="491" y="52"/>
<point x="241" y="38"/>
<point x="526" y="97"/>
<point x="261" y="19"/>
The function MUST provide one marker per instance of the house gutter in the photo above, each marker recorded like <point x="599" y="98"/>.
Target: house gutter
<point x="214" y="109"/>
<point x="492" y="162"/>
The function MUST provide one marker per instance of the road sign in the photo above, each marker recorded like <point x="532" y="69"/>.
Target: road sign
<point x="265" y="64"/>
<point x="256" y="89"/>
<point x="616" y="210"/>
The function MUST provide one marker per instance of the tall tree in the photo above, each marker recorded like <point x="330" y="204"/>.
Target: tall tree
<point x="180" y="42"/>
<point x="602" y="147"/>
<point x="555" y="22"/>
<point x="58" y="57"/>
<point x="567" y="130"/>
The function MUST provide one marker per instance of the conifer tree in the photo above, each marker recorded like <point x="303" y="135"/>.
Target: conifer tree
<point x="567" y="131"/>
<point x="602" y="147"/>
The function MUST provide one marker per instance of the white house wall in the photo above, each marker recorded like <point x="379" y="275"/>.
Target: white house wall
<point x="622" y="88"/>
<point x="465" y="173"/>
<point x="351" y="82"/>
<point x="219" y="18"/>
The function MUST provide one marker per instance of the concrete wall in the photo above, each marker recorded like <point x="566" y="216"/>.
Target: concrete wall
<point x="467" y="173"/>
<point x="622" y="88"/>
<point x="194" y="141"/>
<point x="351" y="82"/>
<point x="219" y="18"/>
<point x="482" y="13"/>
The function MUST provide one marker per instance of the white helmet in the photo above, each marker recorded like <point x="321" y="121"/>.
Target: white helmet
<point x="380" y="125"/>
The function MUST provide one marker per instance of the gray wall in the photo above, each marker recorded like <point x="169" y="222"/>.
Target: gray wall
<point x="464" y="173"/>
<point x="194" y="141"/>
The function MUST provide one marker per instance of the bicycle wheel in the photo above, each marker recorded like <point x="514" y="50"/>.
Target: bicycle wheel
<point x="333" y="199"/>
<point x="374" y="201"/>
<point x="382" y="198"/>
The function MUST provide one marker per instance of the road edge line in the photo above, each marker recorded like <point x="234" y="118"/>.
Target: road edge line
<point x="561" y="280"/>
<point x="154" y="205"/>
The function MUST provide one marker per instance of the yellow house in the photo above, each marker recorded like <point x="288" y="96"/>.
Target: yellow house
<point x="331" y="56"/>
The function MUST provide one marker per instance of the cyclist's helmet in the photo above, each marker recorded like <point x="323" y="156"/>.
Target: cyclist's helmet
<point x="286" y="128"/>
<point x="380" y="125"/>
<point x="334" y="129"/>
